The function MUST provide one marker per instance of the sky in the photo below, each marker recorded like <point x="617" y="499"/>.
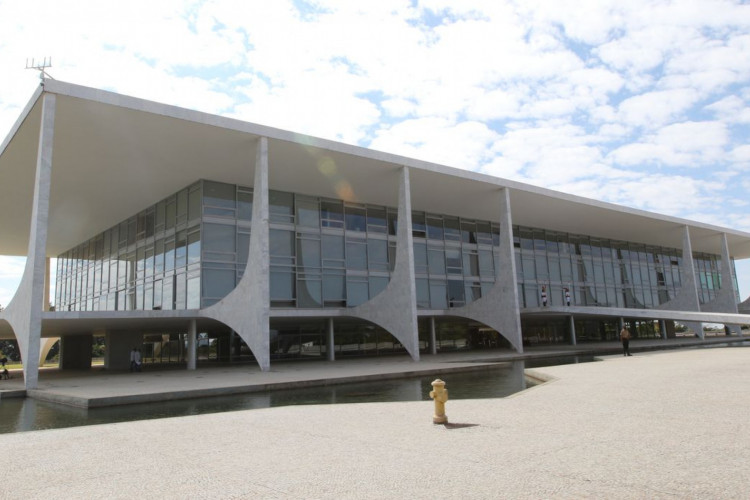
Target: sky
<point x="641" y="103"/>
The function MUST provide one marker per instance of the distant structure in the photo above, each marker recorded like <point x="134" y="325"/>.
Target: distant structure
<point x="198" y="238"/>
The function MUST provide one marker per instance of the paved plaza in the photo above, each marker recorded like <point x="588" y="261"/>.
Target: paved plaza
<point x="668" y="424"/>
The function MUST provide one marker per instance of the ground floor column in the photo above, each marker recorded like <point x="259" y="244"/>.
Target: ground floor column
<point x="191" y="347"/>
<point x="433" y="336"/>
<point x="75" y="352"/>
<point x="663" y="329"/>
<point x="572" y="330"/>
<point x="330" y="344"/>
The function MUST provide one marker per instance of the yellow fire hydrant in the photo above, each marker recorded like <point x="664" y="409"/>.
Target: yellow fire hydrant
<point x="440" y="394"/>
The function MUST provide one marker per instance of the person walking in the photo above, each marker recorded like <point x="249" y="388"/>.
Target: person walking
<point x="132" y="360"/>
<point x="625" y="339"/>
<point x="137" y="360"/>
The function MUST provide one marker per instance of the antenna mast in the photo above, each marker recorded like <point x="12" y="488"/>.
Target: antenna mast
<point x="41" y="67"/>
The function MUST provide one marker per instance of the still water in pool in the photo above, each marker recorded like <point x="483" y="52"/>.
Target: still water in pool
<point x="19" y="415"/>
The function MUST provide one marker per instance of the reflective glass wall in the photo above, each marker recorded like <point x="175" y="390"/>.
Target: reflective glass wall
<point x="587" y="271"/>
<point x="190" y="250"/>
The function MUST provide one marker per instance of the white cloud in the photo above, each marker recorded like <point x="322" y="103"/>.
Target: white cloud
<point x="688" y="145"/>
<point x="614" y="100"/>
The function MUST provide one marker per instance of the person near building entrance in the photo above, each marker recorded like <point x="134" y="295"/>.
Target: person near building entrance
<point x="567" y="296"/>
<point x="544" y="295"/>
<point x="132" y="360"/>
<point x="138" y="360"/>
<point x="625" y="339"/>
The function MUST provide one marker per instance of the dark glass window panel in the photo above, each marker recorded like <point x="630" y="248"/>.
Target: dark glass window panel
<point x="333" y="287"/>
<point x="434" y="227"/>
<point x="182" y="207"/>
<point x="377" y="252"/>
<point x="484" y="233"/>
<point x="436" y="260"/>
<point x="468" y="232"/>
<point x="180" y="295"/>
<point x="356" y="255"/>
<point x="333" y="249"/>
<point x="471" y="264"/>
<point x="452" y="229"/>
<point x="308" y="253"/>
<point x="420" y="258"/>
<point x="438" y="297"/>
<point x="194" y="248"/>
<point x="244" y="205"/>
<point x="308" y="212"/>
<point x="376" y="219"/>
<point x="219" y="194"/>
<point x="453" y="260"/>
<point x="309" y="293"/>
<point x="150" y="223"/>
<point x="473" y="292"/>
<point x="217" y="283"/>
<point x="280" y="206"/>
<point x="194" y="204"/>
<point x="132" y="231"/>
<point x="356" y="218"/>
<point x="171" y="213"/>
<point x="243" y="247"/>
<point x="456" y="293"/>
<point x="332" y="213"/>
<point x="418" y="227"/>
<point x="218" y="212"/>
<point x="282" y="284"/>
<point x="392" y="222"/>
<point x="486" y="264"/>
<point x="281" y="243"/>
<point x="194" y="293"/>
<point x="356" y="292"/>
<point x="423" y="293"/>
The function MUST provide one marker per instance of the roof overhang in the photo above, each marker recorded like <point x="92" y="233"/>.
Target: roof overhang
<point x="115" y="155"/>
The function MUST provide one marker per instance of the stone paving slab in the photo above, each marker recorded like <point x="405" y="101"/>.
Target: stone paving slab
<point x="659" y="425"/>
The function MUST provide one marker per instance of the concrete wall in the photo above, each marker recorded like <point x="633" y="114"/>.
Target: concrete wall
<point x="118" y="346"/>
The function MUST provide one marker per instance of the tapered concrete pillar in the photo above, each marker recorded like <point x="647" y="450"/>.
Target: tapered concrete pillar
<point x="663" y="329"/>
<point x="24" y="313"/>
<point x="499" y="308"/>
<point x="330" y="342"/>
<point x="395" y="308"/>
<point x="192" y="344"/>
<point x="572" y="323"/>
<point x="246" y="309"/>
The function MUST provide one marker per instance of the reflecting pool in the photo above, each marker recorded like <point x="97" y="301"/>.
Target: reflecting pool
<point x="19" y="415"/>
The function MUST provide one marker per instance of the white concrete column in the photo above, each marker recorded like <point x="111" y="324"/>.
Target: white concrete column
<point x="330" y="342"/>
<point x="192" y="344"/>
<point x="572" y="323"/>
<point x="395" y="308"/>
<point x="499" y="308"/>
<point x="433" y="336"/>
<point x="45" y="305"/>
<point x="24" y="312"/>
<point x="247" y="308"/>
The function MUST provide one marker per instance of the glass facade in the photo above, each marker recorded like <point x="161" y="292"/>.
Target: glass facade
<point x="190" y="249"/>
<point x="593" y="272"/>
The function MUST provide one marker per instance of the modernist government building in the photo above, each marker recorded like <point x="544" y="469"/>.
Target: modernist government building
<point x="196" y="237"/>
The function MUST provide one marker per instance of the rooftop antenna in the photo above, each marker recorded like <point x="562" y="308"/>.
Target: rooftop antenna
<point x="41" y="67"/>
